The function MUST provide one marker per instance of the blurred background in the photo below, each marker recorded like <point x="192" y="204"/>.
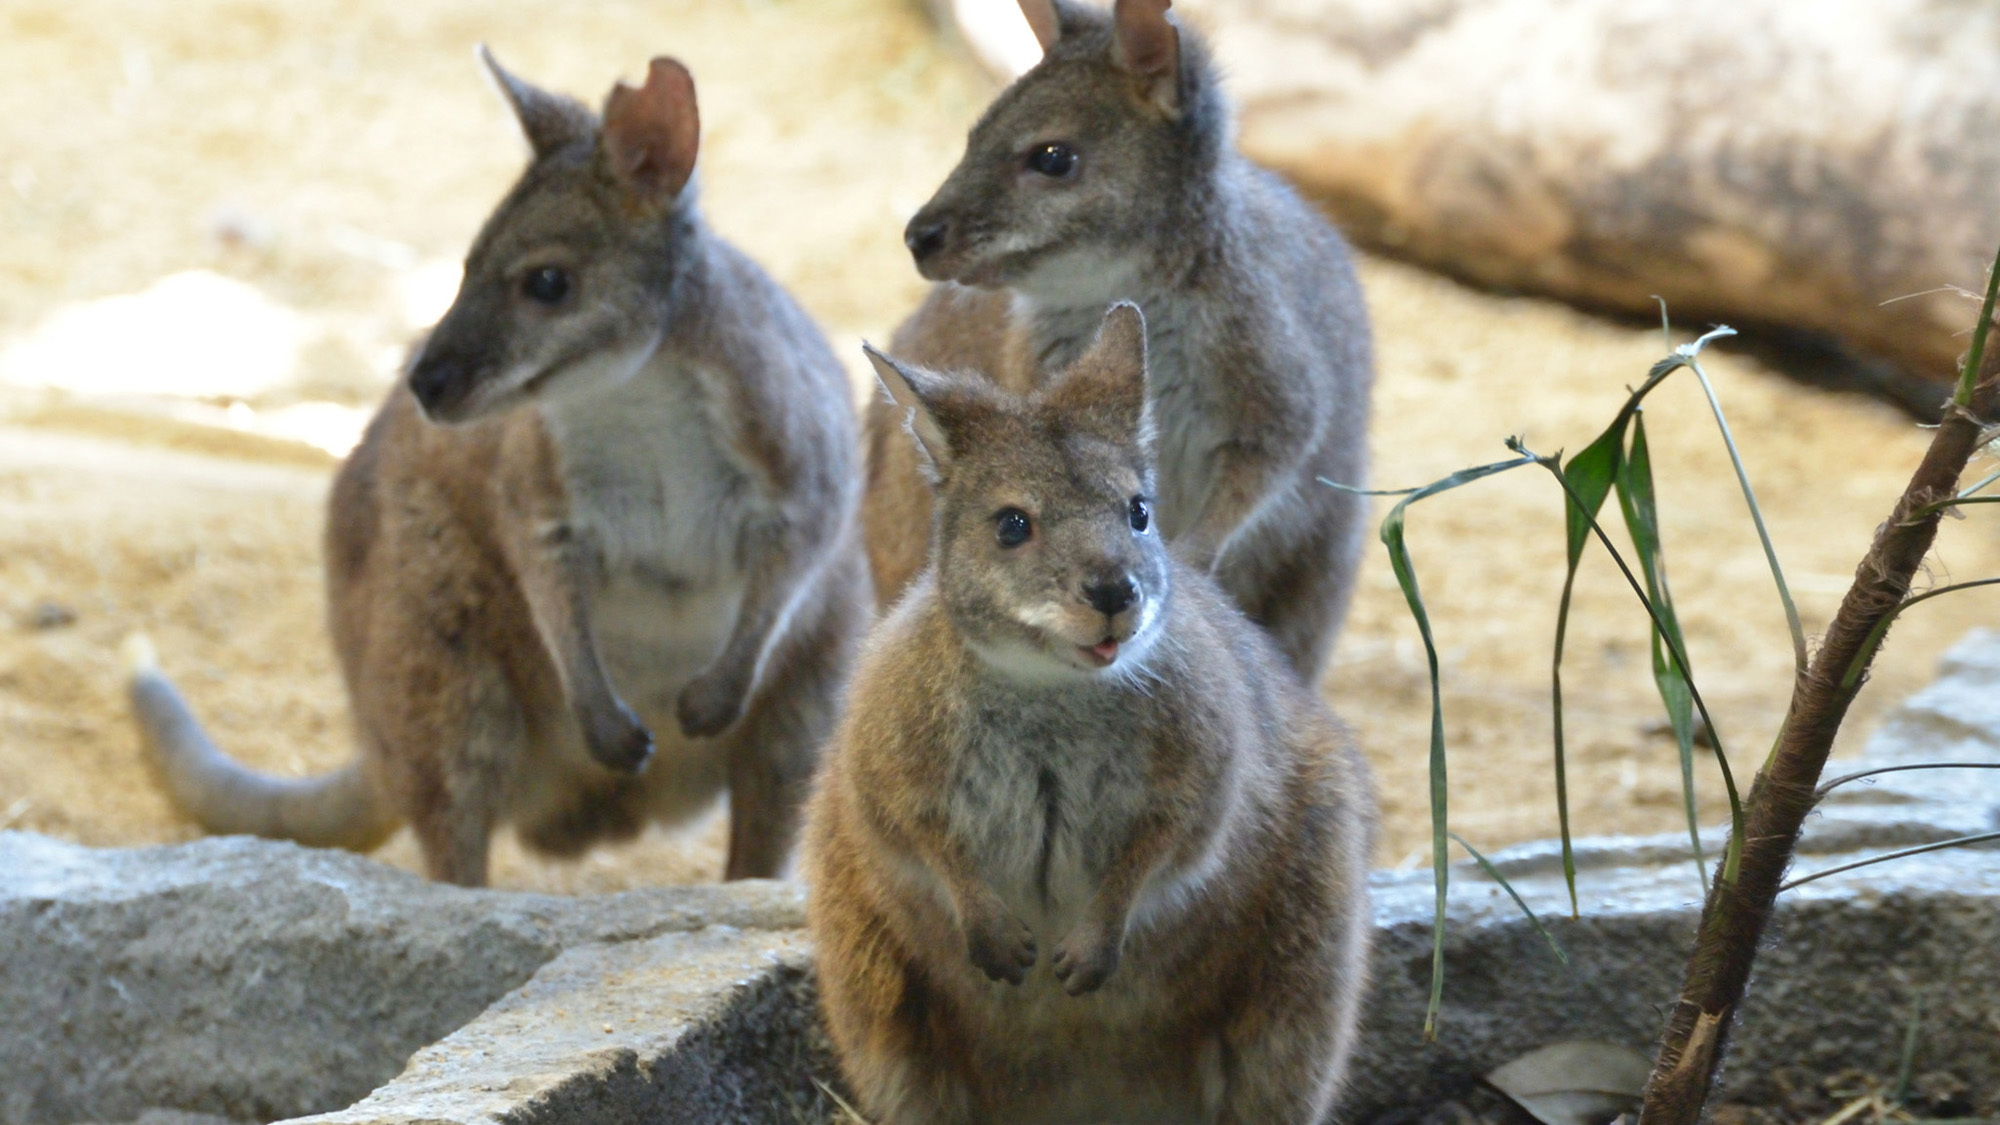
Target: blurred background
<point x="225" y="219"/>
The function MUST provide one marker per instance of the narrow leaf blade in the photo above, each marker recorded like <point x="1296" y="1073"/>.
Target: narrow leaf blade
<point x="1406" y="578"/>
<point x="1638" y="504"/>
<point x="1493" y="873"/>
<point x="1590" y="475"/>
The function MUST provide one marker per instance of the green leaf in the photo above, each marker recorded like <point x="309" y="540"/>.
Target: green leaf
<point x="1406" y="578"/>
<point x="1692" y="352"/>
<point x="1733" y="856"/>
<point x="1493" y="873"/>
<point x="1590" y="475"/>
<point x="1969" y="374"/>
<point x="1642" y="521"/>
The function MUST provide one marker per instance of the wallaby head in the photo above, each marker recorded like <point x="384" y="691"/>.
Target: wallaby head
<point x="1077" y="168"/>
<point x="566" y="286"/>
<point x="1048" y="560"/>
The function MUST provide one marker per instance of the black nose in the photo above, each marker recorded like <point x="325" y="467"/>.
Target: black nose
<point x="1111" y="597"/>
<point x="924" y="237"/>
<point x="432" y="380"/>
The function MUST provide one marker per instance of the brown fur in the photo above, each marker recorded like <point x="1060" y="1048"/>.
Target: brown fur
<point x="1258" y="334"/>
<point x="635" y="538"/>
<point x="1048" y="892"/>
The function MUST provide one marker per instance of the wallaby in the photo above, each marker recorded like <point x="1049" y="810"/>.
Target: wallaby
<point x="1108" y="172"/>
<point x="1071" y="767"/>
<point x="610" y="516"/>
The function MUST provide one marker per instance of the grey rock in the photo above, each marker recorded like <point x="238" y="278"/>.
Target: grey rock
<point x="1835" y="989"/>
<point x="710" y="1026"/>
<point x="240" y="979"/>
<point x="257" y="980"/>
<point x="1819" y="168"/>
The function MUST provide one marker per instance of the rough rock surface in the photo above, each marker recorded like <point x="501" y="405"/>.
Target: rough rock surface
<point x="1760" y="162"/>
<point x="255" y="980"/>
<point x="244" y="979"/>
<point x="709" y="1026"/>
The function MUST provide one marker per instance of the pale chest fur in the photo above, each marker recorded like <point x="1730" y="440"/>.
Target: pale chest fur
<point x="651" y="486"/>
<point x="1045" y="795"/>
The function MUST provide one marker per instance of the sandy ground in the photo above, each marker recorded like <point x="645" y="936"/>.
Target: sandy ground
<point x="337" y="156"/>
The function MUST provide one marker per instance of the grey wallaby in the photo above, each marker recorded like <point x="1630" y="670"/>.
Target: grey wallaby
<point x="1083" y="849"/>
<point x="610" y="518"/>
<point x="1108" y="172"/>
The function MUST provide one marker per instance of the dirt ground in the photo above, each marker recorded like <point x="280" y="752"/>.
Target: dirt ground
<point x="334" y="155"/>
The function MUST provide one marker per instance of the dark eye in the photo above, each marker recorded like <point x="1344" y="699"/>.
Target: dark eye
<point x="1013" y="527"/>
<point x="1141" y="513"/>
<point x="547" y="285"/>
<point x="1054" y="160"/>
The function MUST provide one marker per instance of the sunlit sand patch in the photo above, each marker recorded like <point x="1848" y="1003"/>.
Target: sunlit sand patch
<point x="194" y="334"/>
<point x="204" y="349"/>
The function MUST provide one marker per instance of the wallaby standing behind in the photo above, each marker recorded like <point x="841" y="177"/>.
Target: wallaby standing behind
<point x="1108" y="172"/>
<point x="1070" y="766"/>
<point x="611" y="516"/>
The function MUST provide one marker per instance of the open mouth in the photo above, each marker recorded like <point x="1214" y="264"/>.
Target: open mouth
<point x="1102" y="654"/>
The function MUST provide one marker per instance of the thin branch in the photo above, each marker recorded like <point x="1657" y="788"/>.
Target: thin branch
<point x="1982" y="483"/>
<point x="1828" y="787"/>
<point x="1954" y="842"/>
<point x="1961" y="499"/>
<point x="1881" y="629"/>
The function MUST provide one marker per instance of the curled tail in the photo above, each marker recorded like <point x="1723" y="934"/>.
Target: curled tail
<point x="332" y="810"/>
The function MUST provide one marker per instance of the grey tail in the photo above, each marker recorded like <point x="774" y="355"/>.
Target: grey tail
<point x="340" y="809"/>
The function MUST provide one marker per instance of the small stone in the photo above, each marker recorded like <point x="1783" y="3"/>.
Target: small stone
<point x="50" y="615"/>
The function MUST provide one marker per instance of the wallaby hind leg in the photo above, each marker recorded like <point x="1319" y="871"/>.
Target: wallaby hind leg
<point x="455" y="746"/>
<point x="1287" y="1050"/>
<point x="771" y="756"/>
<point x="774" y="747"/>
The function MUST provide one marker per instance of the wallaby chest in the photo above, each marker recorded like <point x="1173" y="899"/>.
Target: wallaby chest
<point x="1044" y="794"/>
<point x="663" y="506"/>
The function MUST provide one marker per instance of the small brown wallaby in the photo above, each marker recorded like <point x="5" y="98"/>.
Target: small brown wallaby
<point x="1108" y="172"/>
<point x="611" y="517"/>
<point x="1083" y="849"/>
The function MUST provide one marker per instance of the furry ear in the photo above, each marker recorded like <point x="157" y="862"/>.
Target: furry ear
<point x="1147" y="45"/>
<point x="549" y="121"/>
<point x="911" y="388"/>
<point x="651" y="134"/>
<point x="1042" y="21"/>
<point x="1105" y="389"/>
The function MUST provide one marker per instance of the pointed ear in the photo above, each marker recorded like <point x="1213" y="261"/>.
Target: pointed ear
<point x="651" y="134"/>
<point x="549" y="121"/>
<point x="1042" y="21"/>
<point x="1147" y="45"/>
<point x="909" y="387"/>
<point x="1105" y="389"/>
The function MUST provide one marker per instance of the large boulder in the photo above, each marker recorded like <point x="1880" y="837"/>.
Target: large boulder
<point x="248" y="980"/>
<point x="1825" y="167"/>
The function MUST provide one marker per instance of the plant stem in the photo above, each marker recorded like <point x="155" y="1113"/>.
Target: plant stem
<point x="1737" y="912"/>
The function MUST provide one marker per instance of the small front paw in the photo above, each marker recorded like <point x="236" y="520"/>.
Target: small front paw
<point x="1001" y="946"/>
<point x="617" y="739"/>
<point x="710" y="704"/>
<point x="1085" y="959"/>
